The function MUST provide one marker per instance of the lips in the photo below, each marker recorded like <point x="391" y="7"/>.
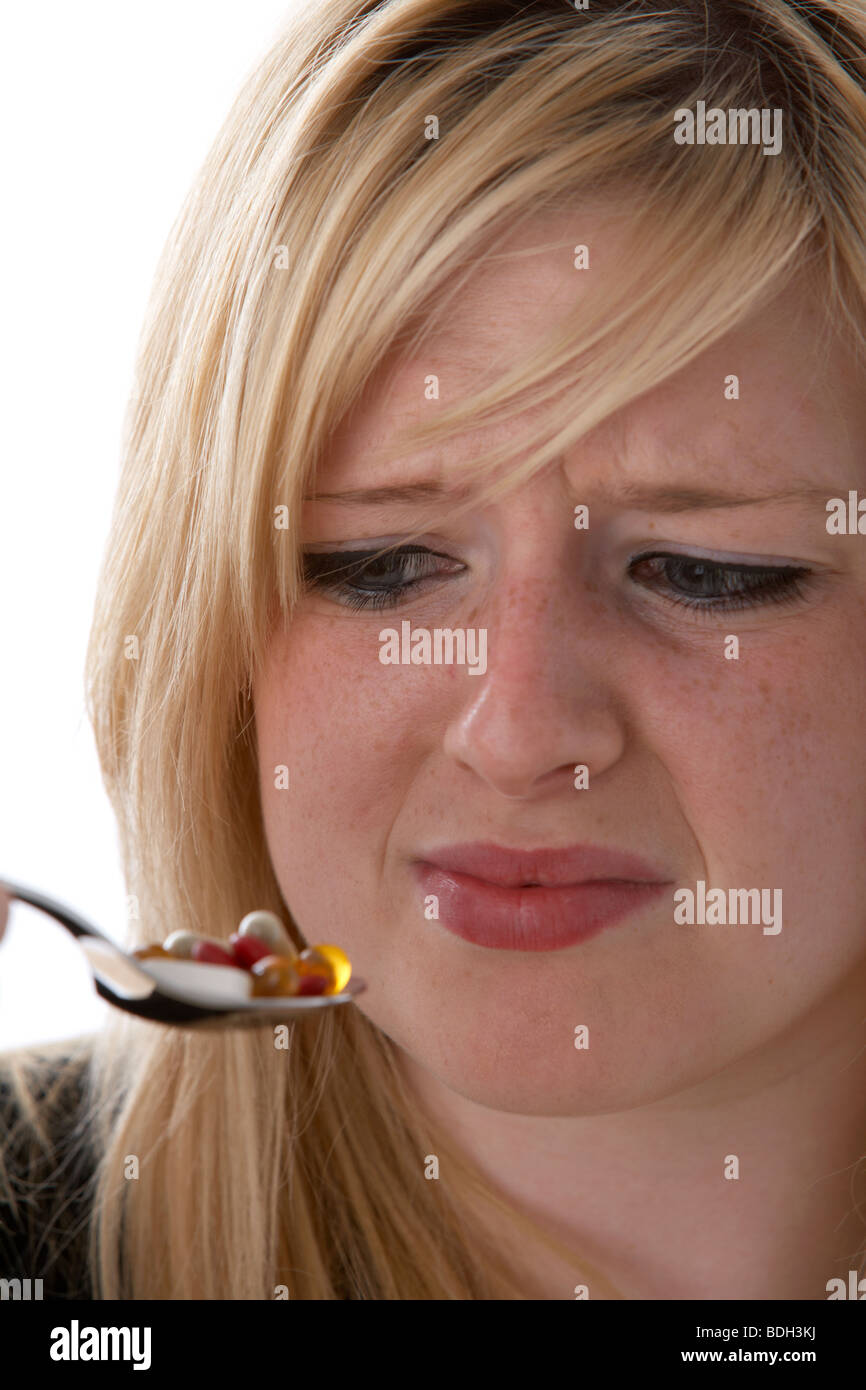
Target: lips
<point x="535" y="900"/>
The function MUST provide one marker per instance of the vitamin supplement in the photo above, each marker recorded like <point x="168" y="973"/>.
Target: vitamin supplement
<point x="275" y="975"/>
<point x="259" y="959"/>
<point x="180" y="943"/>
<point x="312" y="962"/>
<point x="267" y="927"/>
<point x="151" y="952"/>
<point x="209" y="953"/>
<point x="314" y="984"/>
<point x="205" y="984"/>
<point x="328" y="959"/>
<point x="280" y="975"/>
<point x="248" y="949"/>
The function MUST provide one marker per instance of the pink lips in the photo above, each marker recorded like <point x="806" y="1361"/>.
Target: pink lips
<point x="535" y="900"/>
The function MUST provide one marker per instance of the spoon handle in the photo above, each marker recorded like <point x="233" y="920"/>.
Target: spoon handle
<point x="69" y="919"/>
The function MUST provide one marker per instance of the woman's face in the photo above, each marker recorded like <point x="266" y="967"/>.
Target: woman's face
<point x="741" y="773"/>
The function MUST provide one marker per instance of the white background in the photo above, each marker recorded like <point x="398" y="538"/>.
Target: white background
<point x="106" y="111"/>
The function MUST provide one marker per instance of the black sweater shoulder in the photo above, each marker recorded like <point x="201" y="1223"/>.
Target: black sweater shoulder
<point x="47" y="1172"/>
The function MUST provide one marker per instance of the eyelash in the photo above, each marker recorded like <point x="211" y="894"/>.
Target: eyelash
<point x="758" y="584"/>
<point x="321" y="571"/>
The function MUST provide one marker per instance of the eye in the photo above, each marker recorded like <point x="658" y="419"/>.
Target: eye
<point x="697" y="582"/>
<point x="371" y="579"/>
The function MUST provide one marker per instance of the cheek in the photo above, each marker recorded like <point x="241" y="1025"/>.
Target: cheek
<point x="768" y="763"/>
<point x="351" y="735"/>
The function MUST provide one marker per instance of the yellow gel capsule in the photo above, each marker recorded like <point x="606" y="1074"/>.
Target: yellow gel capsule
<point x="340" y="966"/>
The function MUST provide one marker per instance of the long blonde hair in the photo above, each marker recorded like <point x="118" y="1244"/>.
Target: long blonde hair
<point x="326" y="229"/>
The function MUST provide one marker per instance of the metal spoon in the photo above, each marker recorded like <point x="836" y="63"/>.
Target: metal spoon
<point x="123" y="981"/>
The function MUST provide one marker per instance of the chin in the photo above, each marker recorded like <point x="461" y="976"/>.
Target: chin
<point x="531" y="1067"/>
<point x="535" y="1092"/>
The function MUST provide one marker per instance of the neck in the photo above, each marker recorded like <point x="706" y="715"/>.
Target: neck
<point x="739" y="1188"/>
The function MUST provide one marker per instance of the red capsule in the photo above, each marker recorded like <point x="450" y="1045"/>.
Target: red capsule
<point x="248" y="949"/>
<point x="313" y="984"/>
<point x="209" y="953"/>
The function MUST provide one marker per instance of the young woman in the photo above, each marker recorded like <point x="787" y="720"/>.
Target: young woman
<point x="479" y="533"/>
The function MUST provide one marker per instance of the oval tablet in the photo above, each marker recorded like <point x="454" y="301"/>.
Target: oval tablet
<point x="201" y="984"/>
<point x="267" y="927"/>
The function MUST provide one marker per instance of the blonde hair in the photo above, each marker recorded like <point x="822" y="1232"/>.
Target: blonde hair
<point x="324" y="232"/>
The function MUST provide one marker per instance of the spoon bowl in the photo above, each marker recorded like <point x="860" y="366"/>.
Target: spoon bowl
<point x="139" y="986"/>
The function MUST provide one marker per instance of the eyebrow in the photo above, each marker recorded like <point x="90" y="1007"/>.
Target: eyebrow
<point x="686" y="499"/>
<point x="640" y="496"/>
<point x="425" y="491"/>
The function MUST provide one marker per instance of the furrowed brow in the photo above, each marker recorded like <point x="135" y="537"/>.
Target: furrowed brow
<point x="642" y="497"/>
<point x="688" y="499"/>
<point x="425" y="491"/>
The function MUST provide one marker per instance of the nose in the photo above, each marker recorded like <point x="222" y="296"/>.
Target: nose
<point x="546" y="703"/>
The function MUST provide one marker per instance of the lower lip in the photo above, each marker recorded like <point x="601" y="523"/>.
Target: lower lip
<point x="531" y="919"/>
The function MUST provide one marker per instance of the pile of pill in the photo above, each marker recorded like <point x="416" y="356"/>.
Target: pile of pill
<point x="262" y="950"/>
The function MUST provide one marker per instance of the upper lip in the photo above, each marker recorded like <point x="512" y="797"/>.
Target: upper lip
<point x="551" y="868"/>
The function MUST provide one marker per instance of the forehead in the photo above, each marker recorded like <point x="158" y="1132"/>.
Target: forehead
<point x="799" y="388"/>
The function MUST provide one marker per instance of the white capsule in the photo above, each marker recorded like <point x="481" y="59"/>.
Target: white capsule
<point x="267" y="927"/>
<point x="180" y="943"/>
<point x="208" y="985"/>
